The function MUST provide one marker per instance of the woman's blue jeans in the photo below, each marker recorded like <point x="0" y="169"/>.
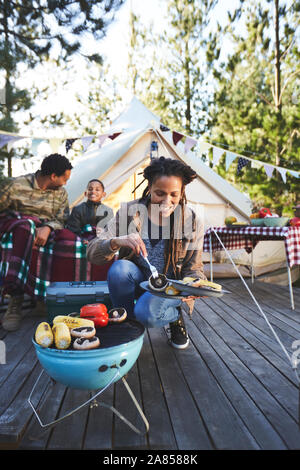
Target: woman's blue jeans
<point x="123" y="280"/>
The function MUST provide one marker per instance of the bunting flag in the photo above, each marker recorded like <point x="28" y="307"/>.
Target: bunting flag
<point x="101" y="139"/>
<point x="113" y="136"/>
<point x="189" y="143"/>
<point x="217" y="154"/>
<point x="269" y="170"/>
<point x="241" y="163"/>
<point x="255" y="164"/>
<point x="203" y="147"/>
<point x="55" y="144"/>
<point x="8" y="139"/>
<point x="69" y="143"/>
<point x="86" y="141"/>
<point x="230" y="157"/>
<point x="294" y="173"/>
<point x="177" y="137"/>
<point x="282" y="171"/>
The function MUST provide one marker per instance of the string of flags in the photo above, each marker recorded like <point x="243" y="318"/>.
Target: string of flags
<point x="218" y="152"/>
<point x="9" y="139"/>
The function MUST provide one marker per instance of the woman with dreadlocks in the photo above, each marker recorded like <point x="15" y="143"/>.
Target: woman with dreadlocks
<point x="161" y="226"/>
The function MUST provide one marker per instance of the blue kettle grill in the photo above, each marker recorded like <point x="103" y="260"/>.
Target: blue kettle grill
<point x="95" y="369"/>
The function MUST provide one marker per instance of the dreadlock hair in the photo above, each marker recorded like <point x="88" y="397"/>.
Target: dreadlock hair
<point x="55" y="163"/>
<point x="170" y="167"/>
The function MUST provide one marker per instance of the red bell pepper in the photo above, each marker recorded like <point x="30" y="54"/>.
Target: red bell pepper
<point x="295" y="222"/>
<point x="96" y="312"/>
<point x="264" y="211"/>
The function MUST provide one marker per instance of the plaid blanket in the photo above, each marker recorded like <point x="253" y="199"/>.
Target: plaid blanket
<point x="32" y="269"/>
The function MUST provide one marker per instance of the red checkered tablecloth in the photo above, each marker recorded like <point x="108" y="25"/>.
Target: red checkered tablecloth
<point x="248" y="237"/>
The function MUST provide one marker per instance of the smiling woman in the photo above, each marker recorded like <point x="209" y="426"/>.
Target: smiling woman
<point x="161" y="227"/>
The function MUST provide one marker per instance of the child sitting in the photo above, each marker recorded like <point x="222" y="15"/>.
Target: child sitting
<point x="91" y="213"/>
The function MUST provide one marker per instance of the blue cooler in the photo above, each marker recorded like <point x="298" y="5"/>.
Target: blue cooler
<point x="63" y="298"/>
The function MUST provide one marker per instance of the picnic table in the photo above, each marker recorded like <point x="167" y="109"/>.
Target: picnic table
<point x="234" y="238"/>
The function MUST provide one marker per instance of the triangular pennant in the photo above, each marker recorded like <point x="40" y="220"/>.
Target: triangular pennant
<point x="217" y="154"/>
<point x="5" y="139"/>
<point x="241" y="163"/>
<point x="230" y="157"/>
<point x="54" y="144"/>
<point x="255" y="164"/>
<point x="203" y="146"/>
<point x="163" y="128"/>
<point x="113" y="136"/>
<point x="282" y="171"/>
<point x="69" y="143"/>
<point x="189" y="143"/>
<point x="294" y="173"/>
<point x="86" y="141"/>
<point x="176" y="137"/>
<point x="12" y="142"/>
<point x="269" y="170"/>
<point x="101" y="139"/>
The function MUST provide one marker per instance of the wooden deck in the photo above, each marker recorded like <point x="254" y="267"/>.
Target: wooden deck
<point x="233" y="388"/>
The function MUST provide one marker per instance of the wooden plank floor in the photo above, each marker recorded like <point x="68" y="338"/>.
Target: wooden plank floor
<point x="232" y="388"/>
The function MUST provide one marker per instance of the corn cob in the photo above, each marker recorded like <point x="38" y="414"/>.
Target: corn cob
<point x="44" y="335"/>
<point x="171" y="290"/>
<point x="196" y="282"/>
<point x="62" y="335"/>
<point x="72" y="322"/>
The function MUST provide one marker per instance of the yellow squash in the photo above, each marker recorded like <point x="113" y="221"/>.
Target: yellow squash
<point x="44" y="335"/>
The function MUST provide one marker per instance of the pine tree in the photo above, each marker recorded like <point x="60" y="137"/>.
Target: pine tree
<point x="30" y="30"/>
<point x="167" y="70"/>
<point x="256" y="111"/>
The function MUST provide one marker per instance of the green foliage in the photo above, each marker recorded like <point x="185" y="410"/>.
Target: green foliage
<point x="30" y="30"/>
<point x="256" y="109"/>
<point x="167" y="71"/>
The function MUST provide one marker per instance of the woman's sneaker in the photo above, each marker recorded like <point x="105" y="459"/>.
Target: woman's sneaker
<point x="179" y="338"/>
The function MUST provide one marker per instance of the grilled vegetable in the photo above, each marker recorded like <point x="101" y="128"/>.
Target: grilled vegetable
<point x="72" y="322"/>
<point x="44" y="335"/>
<point x="171" y="290"/>
<point x="196" y="282"/>
<point x="62" y="335"/>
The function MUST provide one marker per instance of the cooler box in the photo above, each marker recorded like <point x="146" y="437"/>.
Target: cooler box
<point x="63" y="298"/>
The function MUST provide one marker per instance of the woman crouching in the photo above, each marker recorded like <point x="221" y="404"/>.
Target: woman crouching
<point x="161" y="226"/>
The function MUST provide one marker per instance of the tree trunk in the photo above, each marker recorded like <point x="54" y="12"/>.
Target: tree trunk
<point x="187" y="88"/>
<point x="277" y="87"/>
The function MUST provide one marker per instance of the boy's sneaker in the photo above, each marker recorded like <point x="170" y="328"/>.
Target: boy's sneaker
<point x="179" y="338"/>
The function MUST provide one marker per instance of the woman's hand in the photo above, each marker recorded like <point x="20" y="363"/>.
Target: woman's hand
<point x="190" y="297"/>
<point x="133" y="241"/>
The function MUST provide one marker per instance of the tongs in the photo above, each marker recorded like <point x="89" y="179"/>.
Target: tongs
<point x="152" y="268"/>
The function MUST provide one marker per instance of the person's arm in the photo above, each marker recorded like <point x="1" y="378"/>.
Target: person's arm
<point x="5" y="196"/>
<point x="59" y="219"/>
<point x="74" y="222"/>
<point x="103" y="248"/>
<point x="192" y="264"/>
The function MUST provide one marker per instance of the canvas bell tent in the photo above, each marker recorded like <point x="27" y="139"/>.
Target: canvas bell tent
<point x="135" y="136"/>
